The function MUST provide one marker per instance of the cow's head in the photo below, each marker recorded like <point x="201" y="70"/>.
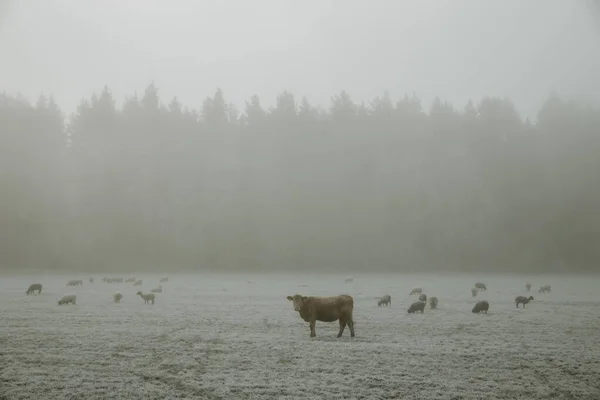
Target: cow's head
<point x="298" y="301"/>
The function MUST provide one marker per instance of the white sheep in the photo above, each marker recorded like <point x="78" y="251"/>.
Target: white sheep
<point x="164" y="279"/>
<point x="146" y="296"/>
<point x="117" y="297"/>
<point x="67" y="298"/>
<point x="138" y="283"/>
<point x="157" y="289"/>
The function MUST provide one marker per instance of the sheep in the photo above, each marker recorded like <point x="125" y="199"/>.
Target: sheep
<point x="349" y="279"/>
<point x="91" y="280"/>
<point x="74" y="282"/>
<point x="386" y="300"/>
<point x="157" y="289"/>
<point x="131" y="279"/>
<point x="480" y="286"/>
<point x="545" y="289"/>
<point x="433" y="302"/>
<point x="474" y="292"/>
<point x="522" y="300"/>
<point x="423" y="297"/>
<point x="117" y="297"/>
<point x="164" y="279"/>
<point x="417" y="290"/>
<point x="138" y="283"/>
<point x="416" y="307"/>
<point x="147" y="297"/>
<point x="481" y="306"/>
<point x="33" y="288"/>
<point x="67" y="298"/>
<point x="528" y="286"/>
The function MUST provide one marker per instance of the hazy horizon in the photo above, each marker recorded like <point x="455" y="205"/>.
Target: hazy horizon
<point x="457" y="50"/>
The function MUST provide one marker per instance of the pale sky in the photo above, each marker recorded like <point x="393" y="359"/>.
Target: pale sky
<point x="455" y="49"/>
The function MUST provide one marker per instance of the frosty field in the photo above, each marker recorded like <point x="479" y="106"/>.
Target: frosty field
<point x="237" y="337"/>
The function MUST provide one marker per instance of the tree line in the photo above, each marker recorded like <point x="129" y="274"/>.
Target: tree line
<point x="387" y="185"/>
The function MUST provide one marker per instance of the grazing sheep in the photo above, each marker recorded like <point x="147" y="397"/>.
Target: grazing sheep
<point x="474" y="292"/>
<point x="423" y="298"/>
<point x="480" y="286"/>
<point x="433" y="302"/>
<point x="522" y="300"/>
<point x="545" y="289"/>
<point x="416" y="307"/>
<point x="528" y="286"/>
<point x="74" y="282"/>
<point x="146" y="296"/>
<point x="117" y="297"/>
<point x="67" y="298"/>
<point x="417" y="290"/>
<point x="164" y="279"/>
<point x="131" y="279"/>
<point x="33" y="288"/>
<point x="138" y="283"/>
<point x="157" y="289"/>
<point x="481" y="306"/>
<point x="386" y="300"/>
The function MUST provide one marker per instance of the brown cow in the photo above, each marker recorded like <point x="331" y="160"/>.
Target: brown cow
<point x="325" y="309"/>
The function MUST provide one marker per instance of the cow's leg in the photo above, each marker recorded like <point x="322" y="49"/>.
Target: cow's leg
<point x="313" y="322"/>
<point x="342" y="326"/>
<point x="350" y="323"/>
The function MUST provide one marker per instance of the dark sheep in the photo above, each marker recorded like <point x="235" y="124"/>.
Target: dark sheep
<point x="474" y="292"/>
<point x="522" y="300"/>
<point x="416" y="307"/>
<point x="433" y="302"/>
<point x="423" y="298"/>
<point x="385" y="301"/>
<point x="33" y="288"/>
<point x="481" y="306"/>
<point x="480" y="286"/>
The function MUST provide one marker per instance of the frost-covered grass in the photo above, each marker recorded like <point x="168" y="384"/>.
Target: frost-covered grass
<point x="221" y="337"/>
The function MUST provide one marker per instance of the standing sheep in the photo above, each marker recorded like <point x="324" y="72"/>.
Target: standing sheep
<point x="528" y="286"/>
<point x="545" y="289"/>
<point x="480" y="286"/>
<point x="417" y="290"/>
<point x="146" y="296"/>
<point x="433" y="302"/>
<point x="131" y="279"/>
<point x="33" y="288"/>
<point x="386" y="300"/>
<point x="474" y="292"/>
<point x="481" y="306"/>
<point x="522" y="300"/>
<point x="117" y="297"/>
<point x="416" y="307"/>
<point x="91" y="280"/>
<point x="164" y="279"/>
<point x="138" y="283"/>
<point x="423" y="298"/>
<point x="67" y="298"/>
<point x="157" y="289"/>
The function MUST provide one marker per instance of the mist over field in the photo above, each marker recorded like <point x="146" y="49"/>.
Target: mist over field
<point x="322" y="136"/>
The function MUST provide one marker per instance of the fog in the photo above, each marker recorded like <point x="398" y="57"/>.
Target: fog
<point x="288" y="136"/>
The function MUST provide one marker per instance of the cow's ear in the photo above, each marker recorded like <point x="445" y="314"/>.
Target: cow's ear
<point x="304" y="298"/>
<point x="290" y="298"/>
